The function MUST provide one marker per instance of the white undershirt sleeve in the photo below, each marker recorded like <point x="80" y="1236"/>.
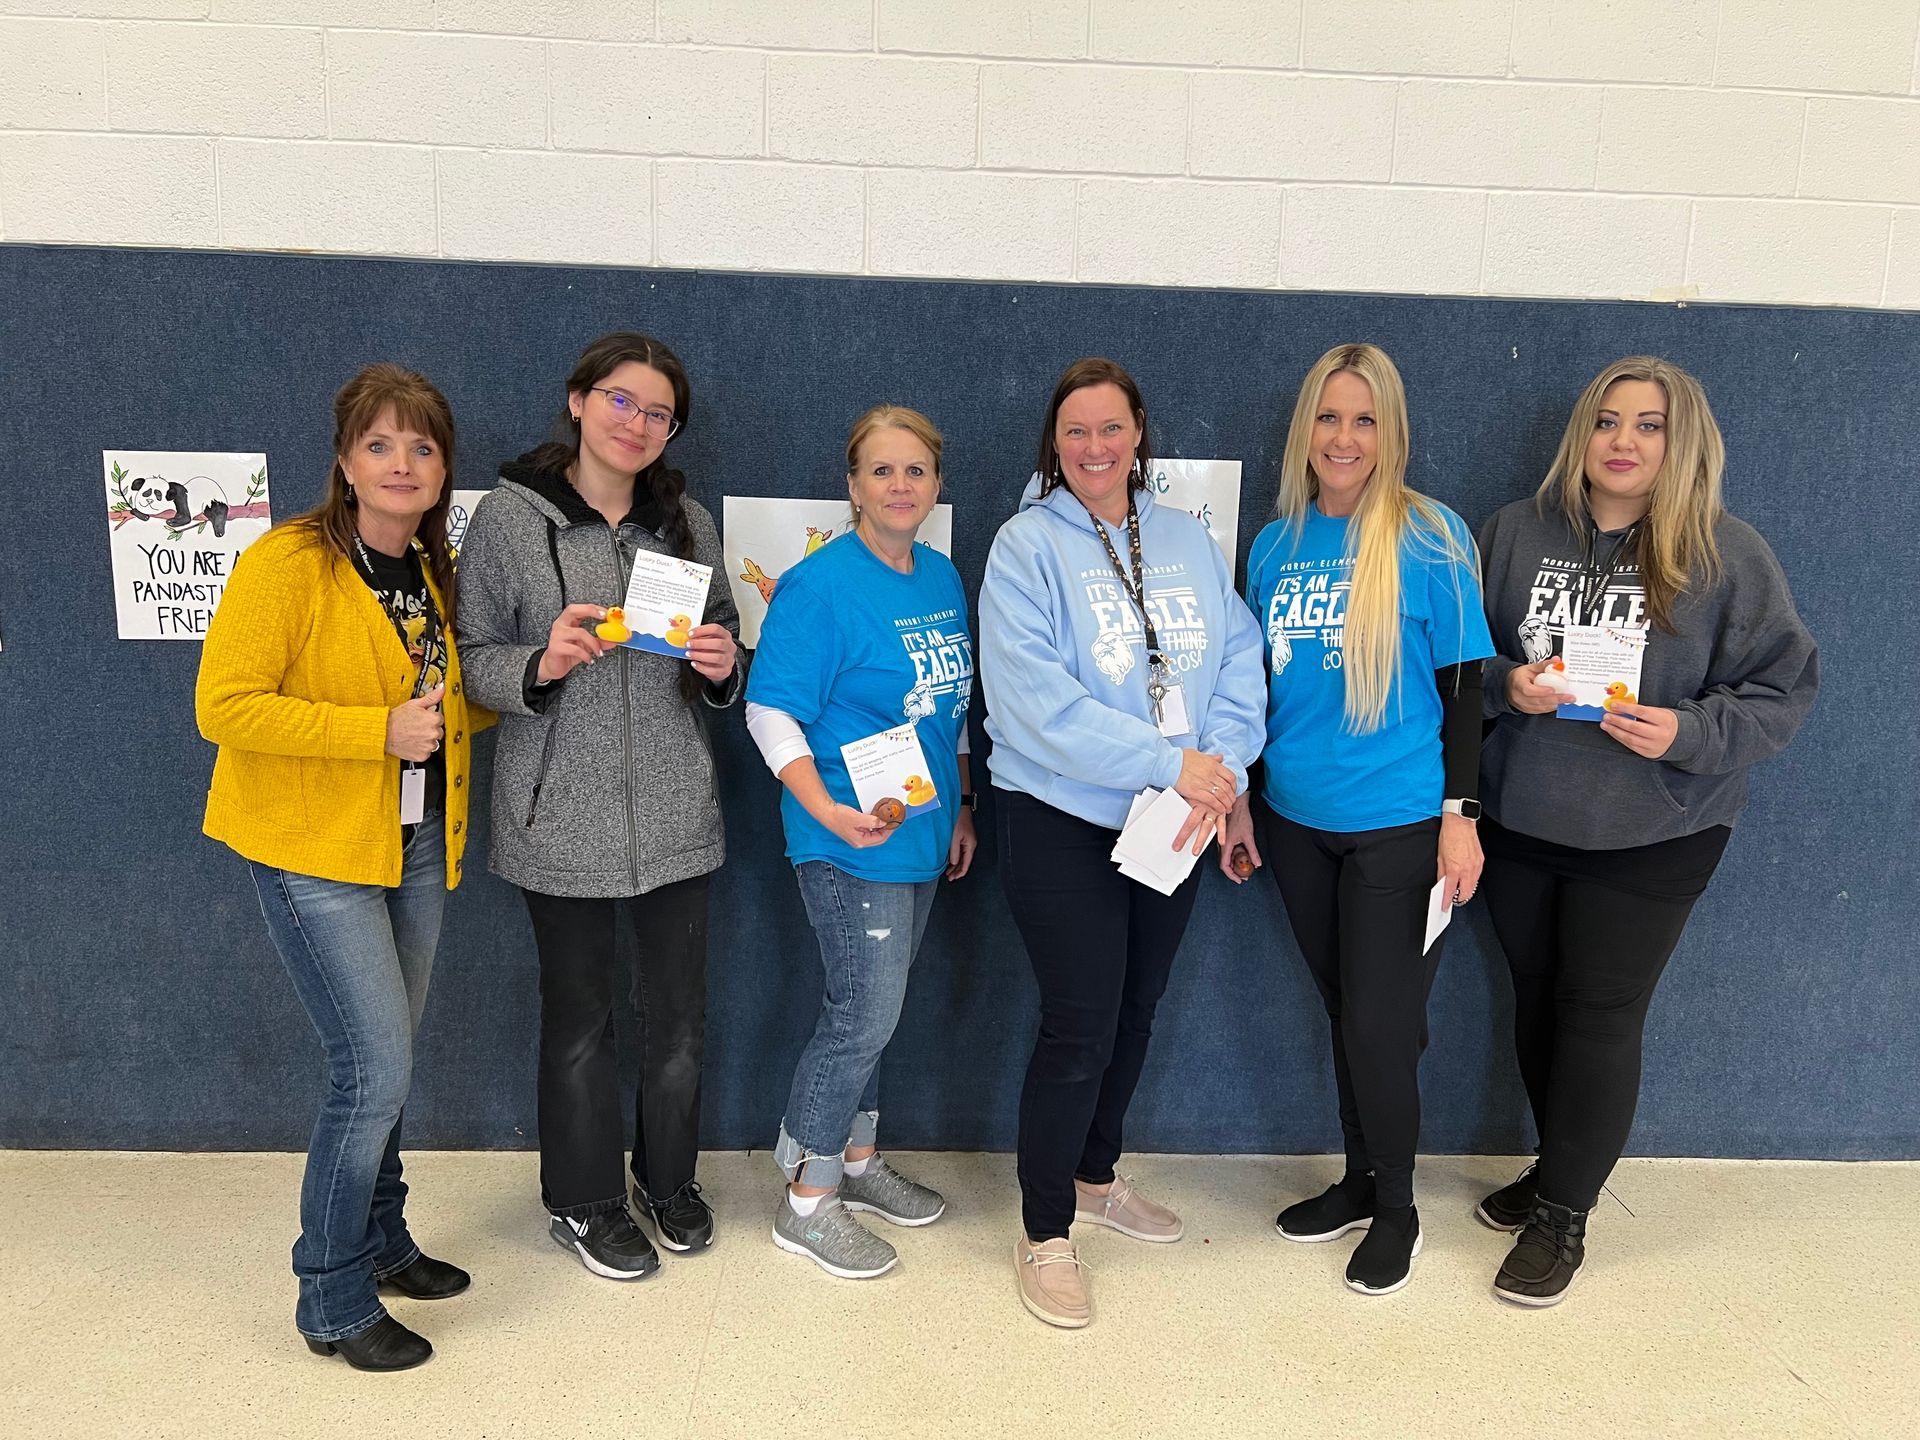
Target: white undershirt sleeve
<point x="778" y="735"/>
<point x="965" y="747"/>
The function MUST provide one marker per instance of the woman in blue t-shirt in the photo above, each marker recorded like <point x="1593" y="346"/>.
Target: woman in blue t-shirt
<point x="864" y="650"/>
<point x="1369" y="597"/>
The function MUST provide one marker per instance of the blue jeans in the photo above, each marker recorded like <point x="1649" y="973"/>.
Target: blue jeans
<point x="869" y="931"/>
<point x="359" y="957"/>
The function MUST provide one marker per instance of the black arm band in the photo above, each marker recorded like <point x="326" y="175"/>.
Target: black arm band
<point x="1460" y="727"/>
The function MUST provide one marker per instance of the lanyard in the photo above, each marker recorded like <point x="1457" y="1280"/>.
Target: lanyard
<point x="1136" y="587"/>
<point x="1593" y="580"/>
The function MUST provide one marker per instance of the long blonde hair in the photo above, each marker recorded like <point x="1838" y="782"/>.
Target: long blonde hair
<point x="1388" y="516"/>
<point x="1676" y="547"/>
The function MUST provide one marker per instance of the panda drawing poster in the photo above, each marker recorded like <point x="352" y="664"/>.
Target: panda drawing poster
<point x="176" y="522"/>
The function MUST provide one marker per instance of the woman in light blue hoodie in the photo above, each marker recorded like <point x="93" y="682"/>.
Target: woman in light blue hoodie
<point x="1116" y="657"/>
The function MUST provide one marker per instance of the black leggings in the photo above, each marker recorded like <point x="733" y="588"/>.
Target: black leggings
<point x="1358" y="907"/>
<point x="1102" y="947"/>
<point x="581" y="1132"/>
<point x="1587" y="934"/>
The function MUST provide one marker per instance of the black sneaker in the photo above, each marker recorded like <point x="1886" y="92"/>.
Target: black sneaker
<point x="1383" y="1260"/>
<point x="1508" y="1207"/>
<point x="1541" y="1266"/>
<point x="1345" y="1205"/>
<point x="608" y="1244"/>
<point x="683" y="1220"/>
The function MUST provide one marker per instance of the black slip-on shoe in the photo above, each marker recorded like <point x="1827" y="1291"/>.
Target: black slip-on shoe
<point x="1343" y="1206"/>
<point x="1383" y="1260"/>
<point x="1508" y="1207"/>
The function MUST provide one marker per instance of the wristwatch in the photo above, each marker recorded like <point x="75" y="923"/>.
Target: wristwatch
<point x="970" y="800"/>
<point x="1465" y="809"/>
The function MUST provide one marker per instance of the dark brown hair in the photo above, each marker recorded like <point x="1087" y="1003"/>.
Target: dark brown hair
<point x="1094" y="370"/>
<point x="418" y="405"/>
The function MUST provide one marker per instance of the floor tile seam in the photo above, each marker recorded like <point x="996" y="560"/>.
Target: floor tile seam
<point x="706" y="1341"/>
<point x="1759" y="1337"/>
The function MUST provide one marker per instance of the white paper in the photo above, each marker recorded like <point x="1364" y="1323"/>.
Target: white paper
<point x="763" y="537"/>
<point x="1145" y="849"/>
<point x="891" y="764"/>
<point x="1439" y="916"/>
<point x="459" y="516"/>
<point x="1600" y="667"/>
<point x="1208" y="490"/>
<point x="666" y="596"/>
<point x="170" y="569"/>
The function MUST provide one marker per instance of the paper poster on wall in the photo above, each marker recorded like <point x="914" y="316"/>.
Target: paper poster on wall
<point x="1208" y="490"/>
<point x="176" y="522"/>
<point x="459" y="516"/>
<point x="763" y="537"/>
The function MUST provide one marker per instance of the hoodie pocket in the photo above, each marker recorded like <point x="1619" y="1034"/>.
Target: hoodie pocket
<point x="540" y="773"/>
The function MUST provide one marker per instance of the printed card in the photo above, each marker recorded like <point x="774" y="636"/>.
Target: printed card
<point x="666" y="596"/>
<point x="1600" y="668"/>
<point x="891" y="766"/>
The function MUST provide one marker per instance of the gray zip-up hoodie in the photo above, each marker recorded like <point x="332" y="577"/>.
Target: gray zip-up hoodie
<point x="603" y="783"/>
<point x="1740" y="673"/>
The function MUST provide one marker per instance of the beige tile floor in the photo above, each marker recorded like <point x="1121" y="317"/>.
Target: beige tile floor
<point x="148" y="1295"/>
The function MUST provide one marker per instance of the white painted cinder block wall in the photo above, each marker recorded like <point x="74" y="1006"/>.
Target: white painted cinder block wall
<point x="1726" y="150"/>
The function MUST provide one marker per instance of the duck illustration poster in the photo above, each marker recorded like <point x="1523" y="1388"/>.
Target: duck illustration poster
<point x="666" y="596"/>
<point x="176" y="522"/>
<point x="762" y="537"/>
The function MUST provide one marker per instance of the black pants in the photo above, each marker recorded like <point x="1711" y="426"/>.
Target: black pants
<point x="1587" y="935"/>
<point x="1358" y="907"/>
<point x="1102" y="947"/>
<point x="581" y="1135"/>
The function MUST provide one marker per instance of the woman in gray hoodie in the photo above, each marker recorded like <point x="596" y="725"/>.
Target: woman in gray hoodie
<point x="604" y="806"/>
<point x="1607" y="811"/>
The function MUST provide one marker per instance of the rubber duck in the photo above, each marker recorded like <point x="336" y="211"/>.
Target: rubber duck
<point x="1618" y="694"/>
<point x="888" y="811"/>
<point x="677" y="627"/>
<point x="614" y="627"/>
<point x="919" y="791"/>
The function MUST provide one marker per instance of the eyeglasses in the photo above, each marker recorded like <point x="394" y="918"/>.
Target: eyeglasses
<point x="626" y="410"/>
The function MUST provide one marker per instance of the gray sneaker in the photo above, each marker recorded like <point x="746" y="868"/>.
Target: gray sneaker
<point x="891" y="1196"/>
<point x="833" y="1240"/>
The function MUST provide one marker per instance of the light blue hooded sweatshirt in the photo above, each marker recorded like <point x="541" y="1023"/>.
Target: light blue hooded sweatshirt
<point x="1063" y="656"/>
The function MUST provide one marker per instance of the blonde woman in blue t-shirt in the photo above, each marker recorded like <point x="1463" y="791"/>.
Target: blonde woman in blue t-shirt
<point x="1368" y="595"/>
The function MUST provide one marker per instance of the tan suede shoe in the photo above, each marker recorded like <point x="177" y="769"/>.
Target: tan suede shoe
<point x="1125" y="1209"/>
<point x="1053" y="1282"/>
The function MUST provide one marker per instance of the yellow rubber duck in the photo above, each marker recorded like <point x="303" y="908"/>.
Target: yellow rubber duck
<point x="677" y="627"/>
<point x="919" y="791"/>
<point x="1618" y="694"/>
<point x="614" y="627"/>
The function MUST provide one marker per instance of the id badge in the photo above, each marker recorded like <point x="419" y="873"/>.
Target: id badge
<point x="413" y="796"/>
<point x="1173" y="712"/>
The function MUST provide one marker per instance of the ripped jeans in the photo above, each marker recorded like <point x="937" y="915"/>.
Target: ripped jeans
<point x="869" y="932"/>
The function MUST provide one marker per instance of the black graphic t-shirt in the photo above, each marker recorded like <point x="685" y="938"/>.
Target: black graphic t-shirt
<point x="399" y="583"/>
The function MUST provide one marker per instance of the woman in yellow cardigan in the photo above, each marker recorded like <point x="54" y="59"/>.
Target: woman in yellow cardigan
<point x="330" y="682"/>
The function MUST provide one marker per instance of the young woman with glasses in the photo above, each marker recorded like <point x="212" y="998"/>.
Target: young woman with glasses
<point x="604" y="805"/>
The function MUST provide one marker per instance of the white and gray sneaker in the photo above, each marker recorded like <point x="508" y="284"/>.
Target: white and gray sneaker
<point x="833" y="1240"/>
<point x="887" y="1193"/>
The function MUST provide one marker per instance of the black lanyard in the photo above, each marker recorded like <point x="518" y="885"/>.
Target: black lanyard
<point x="1136" y="588"/>
<point x="1593" y="580"/>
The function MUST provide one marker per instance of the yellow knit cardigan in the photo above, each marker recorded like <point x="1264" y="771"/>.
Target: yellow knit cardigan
<point x="298" y="671"/>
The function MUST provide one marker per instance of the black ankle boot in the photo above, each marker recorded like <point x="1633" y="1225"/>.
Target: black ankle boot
<point x="426" y="1278"/>
<point x="1383" y="1260"/>
<point x="1546" y="1257"/>
<point x="388" y="1345"/>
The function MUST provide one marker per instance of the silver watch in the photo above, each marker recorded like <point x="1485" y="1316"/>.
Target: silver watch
<point x="1466" y="809"/>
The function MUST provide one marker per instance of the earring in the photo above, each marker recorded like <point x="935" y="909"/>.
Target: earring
<point x="353" y="498"/>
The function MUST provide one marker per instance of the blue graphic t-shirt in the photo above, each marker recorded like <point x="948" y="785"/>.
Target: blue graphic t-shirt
<point x="1318" y="772"/>
<point x="851" y="647"/>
